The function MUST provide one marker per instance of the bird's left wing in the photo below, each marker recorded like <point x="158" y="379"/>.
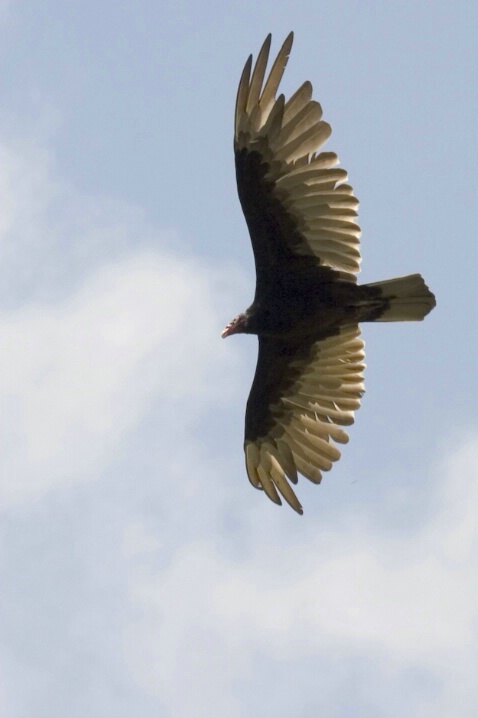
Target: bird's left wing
<point x="302" y="395"/>
<point x="294" y="198"/>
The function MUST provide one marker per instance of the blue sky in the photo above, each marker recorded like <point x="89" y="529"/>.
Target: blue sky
<point x="141" y="574"/>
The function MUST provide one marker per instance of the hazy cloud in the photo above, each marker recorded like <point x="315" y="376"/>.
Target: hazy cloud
<point x="407" y="602"/>
<point x="82" y="365"/>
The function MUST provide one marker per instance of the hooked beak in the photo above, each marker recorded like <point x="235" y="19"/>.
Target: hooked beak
<point x="227" y="331"/>
<point x="232" y="328"/>
<point x="235" y="326"/>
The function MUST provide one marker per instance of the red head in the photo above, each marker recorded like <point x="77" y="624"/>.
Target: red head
<point x="236" y="326"/>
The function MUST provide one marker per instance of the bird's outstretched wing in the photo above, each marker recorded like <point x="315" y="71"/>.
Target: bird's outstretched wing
<point x="294" y="198"/>
<point x="302" y="395"/>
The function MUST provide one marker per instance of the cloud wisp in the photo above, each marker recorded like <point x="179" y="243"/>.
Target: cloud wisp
<point x="407" y="603"/>
<point x="126" y="324"/>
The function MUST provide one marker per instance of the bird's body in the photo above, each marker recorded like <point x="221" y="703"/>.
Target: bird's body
<point x="307" y="305"/>
<point x="294" y="306"/>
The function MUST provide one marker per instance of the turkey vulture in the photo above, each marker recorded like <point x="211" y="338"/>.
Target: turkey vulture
<point x="307" y="305"/>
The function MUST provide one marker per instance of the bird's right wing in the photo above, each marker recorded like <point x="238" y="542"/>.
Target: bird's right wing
<point x="297" y="207"/>
<point x="301" y="397"/>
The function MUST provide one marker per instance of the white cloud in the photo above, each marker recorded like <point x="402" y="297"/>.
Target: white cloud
<point x="120" y="323"/>
<point x="77" y="375"/>
<point x="26" y="189"/>
<point x="407" y="603"/>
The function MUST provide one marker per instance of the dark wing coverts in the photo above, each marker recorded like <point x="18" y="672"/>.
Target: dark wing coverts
<point x="300" y="399"/>
<point x="283" y="181"/>
<point x="298" y="212"/>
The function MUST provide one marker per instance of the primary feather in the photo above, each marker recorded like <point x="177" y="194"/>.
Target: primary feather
<point x="301" y="218"/>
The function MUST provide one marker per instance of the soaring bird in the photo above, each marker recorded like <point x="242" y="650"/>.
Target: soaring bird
<point x="307" y="305"/>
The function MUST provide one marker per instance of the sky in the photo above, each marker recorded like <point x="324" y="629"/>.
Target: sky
<point x="140" y="572"/>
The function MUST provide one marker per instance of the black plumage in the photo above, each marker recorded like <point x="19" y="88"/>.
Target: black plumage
<point x="307" y="305"/>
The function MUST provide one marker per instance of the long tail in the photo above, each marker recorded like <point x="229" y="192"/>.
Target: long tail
<point x="408" y="299"/>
